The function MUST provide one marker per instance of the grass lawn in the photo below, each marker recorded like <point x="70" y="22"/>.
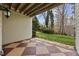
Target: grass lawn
<point x="69" y="40"/>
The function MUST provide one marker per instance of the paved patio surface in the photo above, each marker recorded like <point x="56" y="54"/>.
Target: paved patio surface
<point x="38" y="47"/>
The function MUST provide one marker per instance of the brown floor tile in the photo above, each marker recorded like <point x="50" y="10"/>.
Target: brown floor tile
<point x="29" y="51"/>
<point x="16" y="52"/>
<point x="39" y="44"/>
<point x="7" y="50"/>
<point x="13" y="45"/>
<point x="42" y="50"/>
<point x="53" y="49"/>
<point x="70" y="53"/>
<point x="58" y="54"/>
<point x="43" y="55"/>
<point x="22" y="45"/>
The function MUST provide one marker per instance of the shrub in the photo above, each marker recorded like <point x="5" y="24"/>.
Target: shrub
<point x="47" y="31"/>
<point x="33" y="33"/>
<point x="65" y="34"/>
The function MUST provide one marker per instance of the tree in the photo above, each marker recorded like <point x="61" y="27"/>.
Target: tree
<point x="47" y="19"/>
<point x="61" y="10"/>
<point x="35" y="26"/>
<point x="48" y="16"/>
<point x="51" y="19"/>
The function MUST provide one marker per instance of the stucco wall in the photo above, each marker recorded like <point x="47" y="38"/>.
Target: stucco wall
<point x="0" y="30"/>
<point x="17" y="27"/>
<point x="77" y="26"/>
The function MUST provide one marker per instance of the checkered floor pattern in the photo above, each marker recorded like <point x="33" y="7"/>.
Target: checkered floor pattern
<point x="38" y="47"/>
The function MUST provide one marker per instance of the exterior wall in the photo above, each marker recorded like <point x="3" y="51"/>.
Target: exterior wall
<point x="77" y="26"/>
<point x="0" y="30"/>
<point x="17" y="27"/>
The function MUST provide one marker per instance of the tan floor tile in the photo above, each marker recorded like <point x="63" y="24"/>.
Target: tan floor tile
<point x="42" y="50"/>
<point x="58" y="54"/>
<point x="27" y="41"/>
<point x="63" y="49"/>
<point x="38" y="41"/>
<point x="31" y="44"/>
<point x="16" y="52"/>
<point x="48" y="44"/>
<point x="12" y="45"/>
<point x="56" y="43"/>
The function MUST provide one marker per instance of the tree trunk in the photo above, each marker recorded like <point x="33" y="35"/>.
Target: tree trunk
<point x="62" y="22"/>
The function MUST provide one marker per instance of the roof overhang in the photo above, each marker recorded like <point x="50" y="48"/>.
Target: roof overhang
<point x="30" y="9"/>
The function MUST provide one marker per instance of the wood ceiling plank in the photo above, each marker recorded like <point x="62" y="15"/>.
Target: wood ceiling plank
<point x="9" y="5"/>
<point x="29" y="6"/>
<point x="16" y="7"/>
<point x="34" y="8"/>
<point x="4" y="5"/>
<point x="31" y="9"/>
<point x="24" y="7"/>
<point x="12" y="6"/>
<point x="20" y="6"/>
<point x="47" y="8"/>
<point x="39" y="9"/>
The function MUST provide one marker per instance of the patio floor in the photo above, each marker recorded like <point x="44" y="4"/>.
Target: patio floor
<point x="38" y="47"/>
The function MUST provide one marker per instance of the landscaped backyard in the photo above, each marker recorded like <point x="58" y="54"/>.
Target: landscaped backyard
<point x="65" y="39"/>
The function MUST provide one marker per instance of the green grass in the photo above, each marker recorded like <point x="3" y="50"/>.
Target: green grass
<point x="69" y="40"/>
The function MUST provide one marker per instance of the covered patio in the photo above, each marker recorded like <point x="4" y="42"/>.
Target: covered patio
<point x="16" y="32"/>
<point x="38" y="47"/>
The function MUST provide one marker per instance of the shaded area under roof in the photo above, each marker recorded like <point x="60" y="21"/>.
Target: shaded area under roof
<point x="30" y="9"/>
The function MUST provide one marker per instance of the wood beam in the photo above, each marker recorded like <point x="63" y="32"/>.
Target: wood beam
<point x="30" y="9"/>
<point x="24" y="7"/>
<point x="9" y="5"/>
<point x="12" y="6"/>
<point x="30" y="5"/>
<point x="38" y="5"/>
<point x="4" y="5"/>
<point x="47" y="8"/>
<point x="20" y="6"/>
<point x="39" y="9"/>
<point x="17" y="6"/>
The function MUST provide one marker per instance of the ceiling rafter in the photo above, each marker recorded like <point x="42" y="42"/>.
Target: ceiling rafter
<point x="10" y="5"/>
<point x="29" y="6"/>
<point x="24" y="7"/>
<point x="39" y="9"/>
<point x="47" y="8"/>
<point x="16" y="7"/>
<point x="5" y="5"/>
<point x="20" y="6"/>
<point x="38" y="5"/>
<point x="43" y="4"/>
<point x="30" y="9"/>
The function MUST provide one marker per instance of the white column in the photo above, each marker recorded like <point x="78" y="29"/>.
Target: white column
<point x="0" y="31"/>
<point x="77" y="26"/>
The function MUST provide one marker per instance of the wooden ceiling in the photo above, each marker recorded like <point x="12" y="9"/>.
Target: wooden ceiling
<point x="30" y="9"/>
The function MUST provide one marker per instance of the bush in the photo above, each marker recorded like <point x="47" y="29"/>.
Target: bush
<point x="33" y="33"/>
<point x="47" y="31"/>
<point x="65" y="34"/>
